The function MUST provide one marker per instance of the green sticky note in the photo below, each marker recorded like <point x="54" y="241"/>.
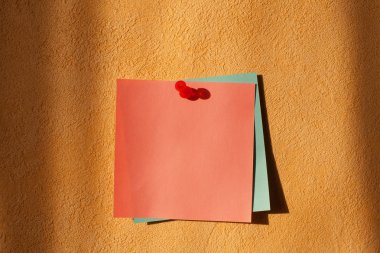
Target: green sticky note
<point x="261" y="201"/>
<point x="140" y="220"/>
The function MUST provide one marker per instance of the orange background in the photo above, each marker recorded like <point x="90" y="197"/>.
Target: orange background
<point x="59" y="61"/>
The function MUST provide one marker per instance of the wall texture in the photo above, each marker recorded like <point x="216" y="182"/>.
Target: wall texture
<point x="59" y="61"/>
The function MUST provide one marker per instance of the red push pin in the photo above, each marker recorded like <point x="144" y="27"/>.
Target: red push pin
<point x="191" y="93"/>
<point x="203" y="93"/>
<point x="185" y="92"/>
<point x="179" y="85"/>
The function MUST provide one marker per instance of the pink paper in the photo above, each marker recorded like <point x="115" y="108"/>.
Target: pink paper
<point x="183" y="159"/>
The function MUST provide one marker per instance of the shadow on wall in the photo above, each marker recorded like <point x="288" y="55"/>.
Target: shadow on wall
<point x="25" y="208"/>
<point x="368" y="119"/>
<point x="93" y="145"/>
<point x="51" y="129"/>
<point x="277" y="196"/>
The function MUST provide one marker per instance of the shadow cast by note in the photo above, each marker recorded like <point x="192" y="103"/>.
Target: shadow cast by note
<point x="277" y="197"/>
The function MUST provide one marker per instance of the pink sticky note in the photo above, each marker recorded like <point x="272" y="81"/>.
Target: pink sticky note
<point x="183" y="159"/>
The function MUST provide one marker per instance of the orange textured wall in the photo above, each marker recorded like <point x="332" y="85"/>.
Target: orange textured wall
<point x="59" y="61"/>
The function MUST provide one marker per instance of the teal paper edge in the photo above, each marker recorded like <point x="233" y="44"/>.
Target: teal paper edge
<point x="141" y="220"/>
<point x="261" y="199"/>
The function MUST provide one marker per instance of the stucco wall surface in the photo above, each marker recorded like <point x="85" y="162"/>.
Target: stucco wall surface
<point x="59" y="61"/>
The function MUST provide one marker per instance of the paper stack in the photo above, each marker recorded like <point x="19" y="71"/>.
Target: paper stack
<point x="190" y="158"/>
